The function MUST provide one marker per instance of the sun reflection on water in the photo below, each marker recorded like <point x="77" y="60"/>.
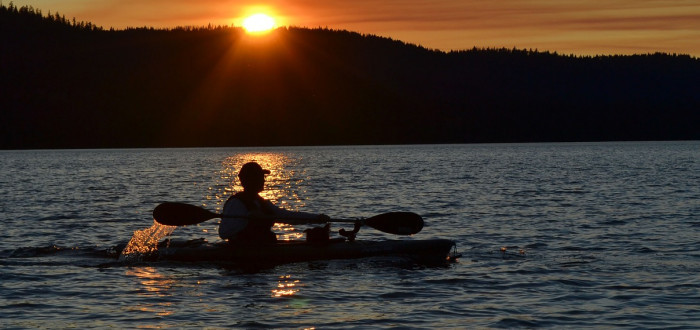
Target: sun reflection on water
<point x="286" y="287"/>
<point x="153" y="284"/>
<point x="282" y="185"/>
<point x="286" y="232"/>
<point x="152" y="281"/>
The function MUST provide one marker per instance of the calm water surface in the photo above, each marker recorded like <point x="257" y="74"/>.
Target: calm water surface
<point x="552" y="235"/>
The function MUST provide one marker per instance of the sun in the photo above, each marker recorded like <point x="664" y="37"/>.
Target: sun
<point x="258" y="23"/>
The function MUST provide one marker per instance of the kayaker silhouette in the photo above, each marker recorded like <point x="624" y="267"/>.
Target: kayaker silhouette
<point x="248" y="218"/>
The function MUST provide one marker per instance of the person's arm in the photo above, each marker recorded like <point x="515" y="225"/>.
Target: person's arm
<point x="297" y="218"/>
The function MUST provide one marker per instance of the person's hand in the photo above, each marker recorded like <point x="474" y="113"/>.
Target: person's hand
<point x="322" y="218"/>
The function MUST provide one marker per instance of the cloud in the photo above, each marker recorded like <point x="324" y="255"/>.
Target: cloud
<point x="470" y="14"/>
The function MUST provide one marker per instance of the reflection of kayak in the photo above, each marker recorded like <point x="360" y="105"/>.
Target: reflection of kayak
<point x="433" y="250"/>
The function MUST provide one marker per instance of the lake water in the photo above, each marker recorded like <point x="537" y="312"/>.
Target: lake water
<point x="573" y="235"/>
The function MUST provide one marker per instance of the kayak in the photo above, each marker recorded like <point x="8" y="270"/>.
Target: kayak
<point x="199" y="250"/>
<point x="398" y="223"/>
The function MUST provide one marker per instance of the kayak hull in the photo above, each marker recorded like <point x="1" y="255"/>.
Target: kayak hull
<point x="434" y="250"/>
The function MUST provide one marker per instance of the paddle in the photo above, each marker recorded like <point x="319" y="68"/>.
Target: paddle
<point x="180" y="214"/>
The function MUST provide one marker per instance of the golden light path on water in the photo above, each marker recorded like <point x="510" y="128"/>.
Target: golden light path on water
<point x="286" y="287"/>
<point x="153" y="284"/>
<point x="281" y="188"/>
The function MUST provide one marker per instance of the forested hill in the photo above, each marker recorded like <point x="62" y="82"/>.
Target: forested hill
<point x="67" y="84"/>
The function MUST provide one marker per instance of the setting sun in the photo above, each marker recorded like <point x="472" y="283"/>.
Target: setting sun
<point x="258" y="23"/>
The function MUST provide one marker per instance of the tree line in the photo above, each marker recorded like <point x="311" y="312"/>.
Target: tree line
<point x="68" y="84"/>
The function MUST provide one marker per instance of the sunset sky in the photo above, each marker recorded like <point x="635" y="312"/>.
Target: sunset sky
<point x="581" y="27"/>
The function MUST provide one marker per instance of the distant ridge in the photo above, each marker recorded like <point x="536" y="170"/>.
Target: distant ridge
<point x="67" y="84"/>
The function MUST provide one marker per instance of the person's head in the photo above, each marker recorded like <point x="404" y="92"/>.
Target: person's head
<point x="252" y="177"/>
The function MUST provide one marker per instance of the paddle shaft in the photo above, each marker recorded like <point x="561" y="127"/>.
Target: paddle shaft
<point x="180" y="214"/>
<point x="213" y="215"/>
<point x="286" y="218"/>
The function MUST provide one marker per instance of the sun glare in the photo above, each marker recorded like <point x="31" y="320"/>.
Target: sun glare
<point x="258" y="23"/>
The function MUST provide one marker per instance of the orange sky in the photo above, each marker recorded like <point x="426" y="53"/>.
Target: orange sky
<point x="582" y="27"/>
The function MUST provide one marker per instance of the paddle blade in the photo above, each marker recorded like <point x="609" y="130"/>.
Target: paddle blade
<point x="398" y="223"/>
<point x="180" y="214"/>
